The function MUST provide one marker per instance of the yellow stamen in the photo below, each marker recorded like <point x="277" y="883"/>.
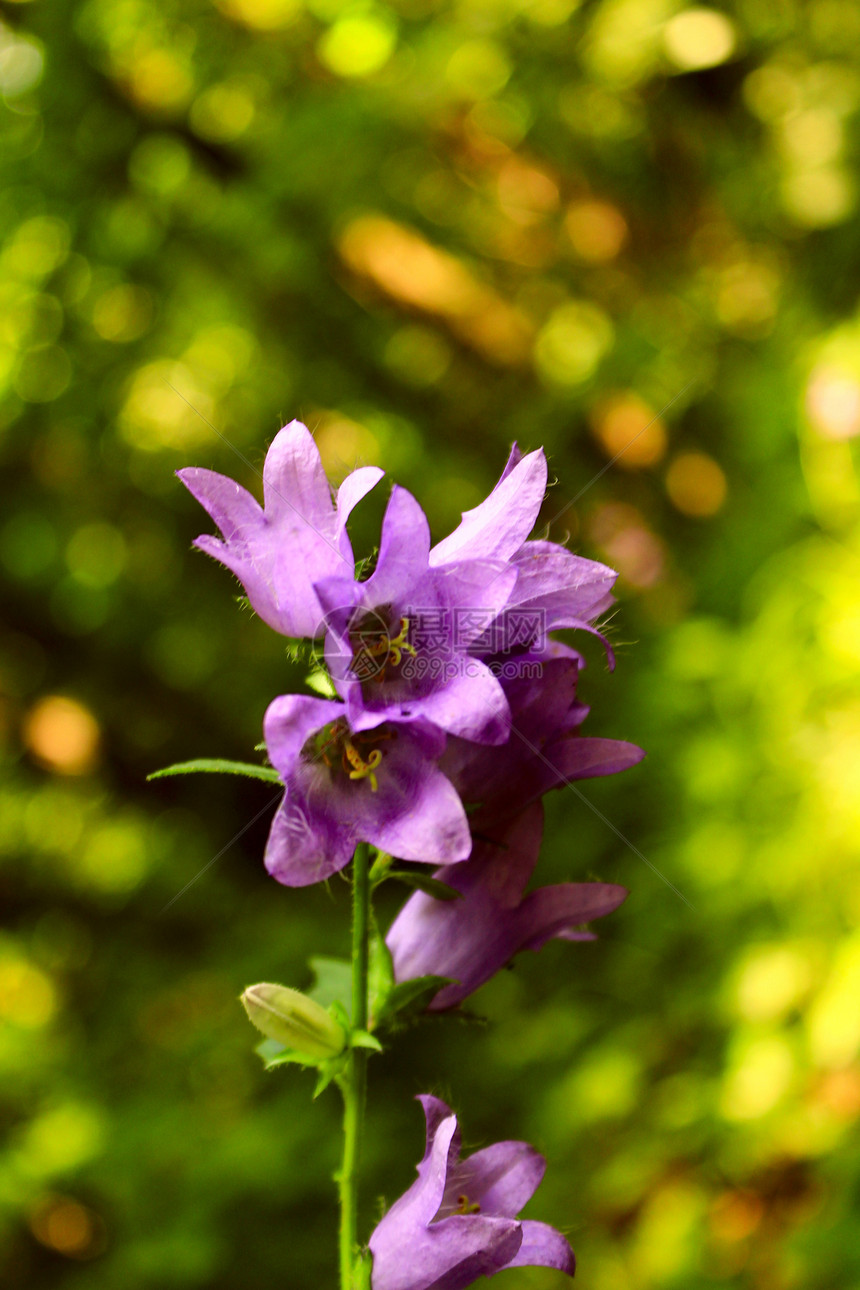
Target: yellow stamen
<point x="361" y="768"/>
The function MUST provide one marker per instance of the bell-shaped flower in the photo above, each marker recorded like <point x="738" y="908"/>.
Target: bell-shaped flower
<point x="545" y="749"/>
<point x="555" y="589"/>
<point x="458" y="1221"/>
<point x="470" y="939"/>
<point x="298" y="537"/>
<point x="399" y="646"/>
<point x="343" y="787"/>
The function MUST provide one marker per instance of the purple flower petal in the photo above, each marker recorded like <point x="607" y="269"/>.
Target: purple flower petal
<point x="543" y="1247"/>
<point x="499" y="525"/>
<point x="472" y="938"/>
<point x="279" y="552"/>
<point x="457" y="1221"/>
<point x="501" y="1179"/>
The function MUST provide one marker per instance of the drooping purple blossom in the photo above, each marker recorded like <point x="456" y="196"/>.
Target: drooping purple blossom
<point x="458" y="1221"/>
<point x="470" y="939"/>
<point x="298" y="537"/>
<point x="545" y="749"/>
<point x="343" y="787"/>
<point x="398" y="646"/>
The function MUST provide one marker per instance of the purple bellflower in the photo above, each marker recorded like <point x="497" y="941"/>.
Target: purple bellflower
<point x="381" y="786"/>
<point x="554" y="589"/>
<point x="458" y="1221"/>
<point x="470" y="939"/>
<point x="280" y="550"/>
<point x="398" y="644"/>
<point x="545" y="749"/>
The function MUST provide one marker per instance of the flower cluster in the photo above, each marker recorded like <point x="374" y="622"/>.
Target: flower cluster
<point x="452" y="712"/>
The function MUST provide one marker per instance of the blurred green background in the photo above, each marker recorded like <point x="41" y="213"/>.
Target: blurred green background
<point x="427" y="228"/>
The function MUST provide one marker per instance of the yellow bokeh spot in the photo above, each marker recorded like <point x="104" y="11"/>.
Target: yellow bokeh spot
<point x="629" y="431"/>
<point x="114" y="858"/>
<point x="36" y="248"/>
<point x="666" y="1234"/>
<point x="222" y="112"/>
<point x="696" y="484"/>
<point x="343" y="443"/>
<point x="833" y="401"/>
<point x="358" y="44"/>
<point x="166" y="408"/>
<point x="158" y="79"/>
<point x="122" y="313"/>
<point x="834" y="1018"/>
<point x="813" y="137"/>
<point x="96" y="554"/>
<point x="819" y="197"/>
<point x="698" y="38"/>
<point x="478" y="69"/>
<point x="597" y="231"/>
<point x="60" y="1139"/>
<point x="572" y="342"/>
<point x="758" y="1079"/>
<point x="63" y="735"/>
<point x="264" y="15"/>
<point x="771" y="981"/>
<point x="27" y="996"/>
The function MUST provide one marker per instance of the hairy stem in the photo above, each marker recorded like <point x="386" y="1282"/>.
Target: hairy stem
<point x="354" y="1079"/>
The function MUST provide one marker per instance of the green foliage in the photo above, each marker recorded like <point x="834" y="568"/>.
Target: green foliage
<point x="214" y="766"/>
<point x="428" y="229"/>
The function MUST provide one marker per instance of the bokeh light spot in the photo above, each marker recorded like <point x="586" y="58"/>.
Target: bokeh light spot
<point x="43" y="374"/>
<point x="122" y="313"/>
<point x="27" y="996"/>
<point x="96" y="554"/>
<point x="67" y="1227"/>
<point x="418" y="355"/>
<point x="264" y="15"/>
<point x="696" y="485"/>
<point x="222" y="112"/>
<point x="597" y="231"/>
<point x="62" y="735"/>
<point x="819" y="197"/>
<point x="629" y="431"/>
<point x="771" y="981"/>
<point x="698" y="38"/>
<point x="358" y="44"/>
<point x="759" y="1077"/>
<point x="833" y="402"/>
<point x="21" y="65"/>
<point x="572" y="342"/>
<point x="478" y="69"/>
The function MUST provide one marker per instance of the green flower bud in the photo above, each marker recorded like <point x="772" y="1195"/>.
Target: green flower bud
<point x="294" y="1020"/>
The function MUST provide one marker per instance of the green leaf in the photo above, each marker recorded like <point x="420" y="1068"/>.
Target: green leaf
<point x="333" y="983"/>
<point x="321" y="683"/>
<point x="217" y="766"/>
<point x="422" y="882"/>
<point x="411" y="997"/>
<point x="380" y="972"/>
<point x="275" y="1054"/>
<point x="361" y="1039"/>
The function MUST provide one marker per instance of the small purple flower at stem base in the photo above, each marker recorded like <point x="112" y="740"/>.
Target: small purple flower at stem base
<point x="472" y="938"/>
<point x="343" y="787"/>
<point x="458" y="1221"/>
<point x="280" y="551"/>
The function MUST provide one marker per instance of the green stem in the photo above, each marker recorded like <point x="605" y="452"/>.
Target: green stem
<point x="353" y="1082"/>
